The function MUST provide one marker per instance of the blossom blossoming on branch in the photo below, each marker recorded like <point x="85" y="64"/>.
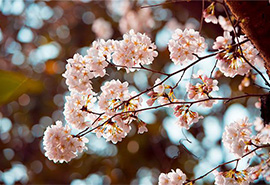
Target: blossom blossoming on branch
<point x="237" y="136"/>
<point x="230" y="62"/>
<point x="184" y="44"/>
<point x="232" y="177"/>
<point x="60" y="145"/>
<point x="209" y="14"/>
<point x="176" y="177"/>
<point x="201" y="91"/>
<point x="186" y="117"/>
<point x="73" y="111"/>
<point x="134" y="49"/>
<point x="114" y="93"/>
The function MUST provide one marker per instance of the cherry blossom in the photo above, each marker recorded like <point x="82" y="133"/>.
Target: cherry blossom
<point x="139" y="21"/>
<point x="237" y="136"/>
<point x="102" y="28"/>
<point x="225" y="23"/>
<point x="76" y="108"/>
<point x="184" y="44"/>
<point x="172" y="178"/>
<point x="230" y="62"/>
<point x="186" y="117"/>
<point x="114" y="93"/>
<point x="134" y="49"/>
<point x="232" y="177"/>
<point x="201" y="91"/>
<point x="223" y="42"/>
<point x="209" y="14"/>
<point x="60" y="145"/>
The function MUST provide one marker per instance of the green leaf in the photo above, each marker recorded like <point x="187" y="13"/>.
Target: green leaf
<point x="14" y="84"/>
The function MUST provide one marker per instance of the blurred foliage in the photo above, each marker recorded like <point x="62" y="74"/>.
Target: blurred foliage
<point x="16" y="84"/>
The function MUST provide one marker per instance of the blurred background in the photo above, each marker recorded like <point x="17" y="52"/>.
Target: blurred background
<point x="36" y="39"/>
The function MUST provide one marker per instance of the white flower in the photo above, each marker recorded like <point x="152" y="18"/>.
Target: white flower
<point x="186" y="116"/>
<point x="210" y="18"/>
<point x="172" y="178"/>
<point x="102" y="28"/>
<point x="209" y="14"/>
<point x="236" y="136"/>
<point x="184" y="44"/>
<point x="142" y="129"/>
<point x="134" y="49"/>
<point x="60" y="145"/>
<point x="222" y="42"/>
<point x="160" y="88"/>
<point x="230" y="63"/>
<point x="163" y="179"/>
<point x="201" y="91"/>
<point x="225" y="23"/>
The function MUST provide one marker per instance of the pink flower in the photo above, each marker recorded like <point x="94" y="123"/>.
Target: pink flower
<point x="102" y="28"/>
<point x="134" y="49"/>
<point x="236" y="136"/>
<point x="201" y="91"/>
<point x="173" y="177"/>
<point x="186" y="116"/>
<point x="60" y="145"/>
<point x="222" y="42"/>
<point x="225" y="23"/>
<point x="184" y="44"/>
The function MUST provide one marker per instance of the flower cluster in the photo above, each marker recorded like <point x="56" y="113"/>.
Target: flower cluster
<point x="159" y="94"/>
<point x="237" y="137"/>
<point x="186" y="116"/>
<point x="76" y="108"/>
<point x="134" y="49"/>
<point x="201" y="91"/>
<point x="184" y="44"/>
<point x="81" y="69"/>
<point x="172" y="178"/>
<point x="60" y="145"/>
<point x="140" y="20"/>
<point x="232" y="177"/>
<point x="231" y="61"/>
<point x="116" y="103"/>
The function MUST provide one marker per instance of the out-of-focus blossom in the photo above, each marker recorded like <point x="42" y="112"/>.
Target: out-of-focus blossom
<point x="102" y="29"/>
<point x="140" y="21"/>
<point x="225" y="23"/>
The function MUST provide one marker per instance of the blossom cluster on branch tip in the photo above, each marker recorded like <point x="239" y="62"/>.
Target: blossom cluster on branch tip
<point x="231" y="62"/>
<point x="201" y="91"/>
<point x="60" y="145"/>
<point x="176" y="177"/>
<point x="237" y="137"/>
<point x="184" y="44"/>
<point x="186" y="117"/>
<point x="232" y="177"/>
<point x="133" y="50"/>
<point x="114" y="93"/>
